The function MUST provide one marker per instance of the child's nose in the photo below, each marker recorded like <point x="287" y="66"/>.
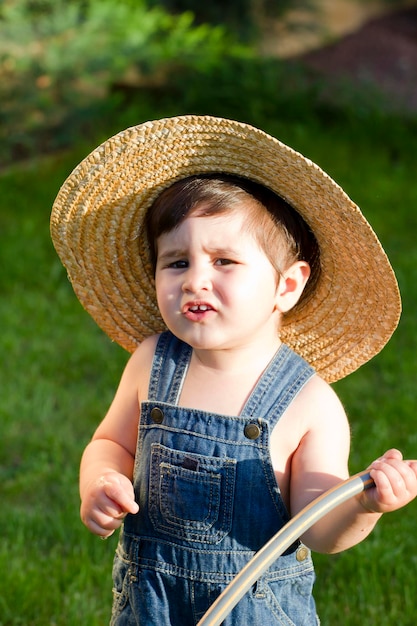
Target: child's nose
<point x="196" y="279"/>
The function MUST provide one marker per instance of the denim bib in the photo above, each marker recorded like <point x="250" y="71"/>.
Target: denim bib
<point x="208" y="500"/>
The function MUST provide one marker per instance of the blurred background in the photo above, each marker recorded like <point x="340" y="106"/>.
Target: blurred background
<point x="336" y="80"/>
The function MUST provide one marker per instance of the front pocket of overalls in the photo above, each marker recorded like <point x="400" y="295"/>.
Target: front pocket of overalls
<point x="191" y="495"/>
<point x="290" y="600"/>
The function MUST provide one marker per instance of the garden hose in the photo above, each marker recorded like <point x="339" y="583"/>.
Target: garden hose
<point x="283" y="539"/>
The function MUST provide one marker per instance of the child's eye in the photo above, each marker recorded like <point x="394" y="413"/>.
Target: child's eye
<point x="180" y="264"/>
<point x="224" y="262"/>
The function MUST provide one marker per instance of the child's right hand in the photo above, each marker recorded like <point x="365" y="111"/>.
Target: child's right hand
<point x="106" y="502"/>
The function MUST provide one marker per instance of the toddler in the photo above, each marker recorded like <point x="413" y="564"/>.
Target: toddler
<point x="244" y="281"/>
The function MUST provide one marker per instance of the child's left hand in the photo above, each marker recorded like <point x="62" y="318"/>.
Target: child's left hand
<point x="395" y="483"/>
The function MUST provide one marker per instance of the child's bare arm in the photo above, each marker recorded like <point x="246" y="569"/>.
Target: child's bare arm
<point x="320" y="462"/>
<point x="106" y="470"/>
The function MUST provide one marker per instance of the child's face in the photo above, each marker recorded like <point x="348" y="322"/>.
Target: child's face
<point x="215" y="286"/>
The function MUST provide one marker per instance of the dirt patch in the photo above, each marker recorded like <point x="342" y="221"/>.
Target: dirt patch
<point x="365" y="44"/>
<point x="382" y="53"/>
<point x="322" y="21"/>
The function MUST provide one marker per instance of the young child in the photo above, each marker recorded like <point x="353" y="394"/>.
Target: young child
<point x="244" y="281"/>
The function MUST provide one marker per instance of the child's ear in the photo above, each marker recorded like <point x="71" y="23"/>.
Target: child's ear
<point x="291" y="285"/>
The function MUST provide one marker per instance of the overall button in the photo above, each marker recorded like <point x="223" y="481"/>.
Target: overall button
<point x="252" y="431"/>
<point x="157" y="415"/>
<point x="302" y="553"/>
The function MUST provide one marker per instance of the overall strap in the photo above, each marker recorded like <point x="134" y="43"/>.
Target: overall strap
<point x="170" y="364"/>
<point x="282" y="380"/>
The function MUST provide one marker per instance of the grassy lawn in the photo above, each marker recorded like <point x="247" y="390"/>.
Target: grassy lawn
<point x="59" y="373"/>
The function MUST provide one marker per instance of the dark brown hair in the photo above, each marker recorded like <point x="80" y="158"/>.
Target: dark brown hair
<point x="279" y="230"/>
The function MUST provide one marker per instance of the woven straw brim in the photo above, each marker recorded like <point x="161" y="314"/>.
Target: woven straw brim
<point x="97" y="229"/>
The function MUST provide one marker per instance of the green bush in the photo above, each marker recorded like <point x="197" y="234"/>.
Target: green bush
<point x="60" y="59"/>
<point x="243" y="16"/>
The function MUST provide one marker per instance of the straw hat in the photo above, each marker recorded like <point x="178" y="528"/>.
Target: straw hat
<point x="97" y="230"/>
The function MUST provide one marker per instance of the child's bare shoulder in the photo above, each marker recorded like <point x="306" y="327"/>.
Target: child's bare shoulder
<point x="316" y="408"/>
<point x="139" y="366"/>
<point x="145" y="351"/>
<point x="318" y="394"/>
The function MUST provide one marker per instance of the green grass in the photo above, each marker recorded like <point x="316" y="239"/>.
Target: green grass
<point x="53" y="394"/>
<point x="59" y="373"/>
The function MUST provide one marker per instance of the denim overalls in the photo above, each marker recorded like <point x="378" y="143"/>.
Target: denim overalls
<point x="208" y="501"/>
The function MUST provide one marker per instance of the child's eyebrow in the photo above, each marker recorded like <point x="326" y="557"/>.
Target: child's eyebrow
<point x="175" y="253"/>
<point x="179" y="253"/>
<point x="224" y="252"/>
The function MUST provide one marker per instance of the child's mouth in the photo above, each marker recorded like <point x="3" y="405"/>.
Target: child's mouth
<point x="197" y="312"/>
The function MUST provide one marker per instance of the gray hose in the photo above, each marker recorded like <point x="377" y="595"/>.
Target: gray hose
<point x="296" y="527"/>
